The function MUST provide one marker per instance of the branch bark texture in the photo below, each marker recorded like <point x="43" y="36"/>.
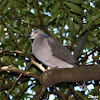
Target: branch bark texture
<point x="19" y="71"/>
<point x="78" y="74"/>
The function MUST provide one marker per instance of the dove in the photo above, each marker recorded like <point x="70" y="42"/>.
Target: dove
<point x="50" y="51"/>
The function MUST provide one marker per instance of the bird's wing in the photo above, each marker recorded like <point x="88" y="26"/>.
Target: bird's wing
<point x="60" y="51"/>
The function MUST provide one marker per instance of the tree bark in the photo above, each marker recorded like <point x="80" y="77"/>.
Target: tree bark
<point x="78" y="74"/>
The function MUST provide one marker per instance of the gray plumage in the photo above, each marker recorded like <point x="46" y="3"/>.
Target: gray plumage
<point x="50" y="51"/>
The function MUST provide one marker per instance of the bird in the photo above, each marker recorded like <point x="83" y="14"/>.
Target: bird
<point x="50" y="51"/>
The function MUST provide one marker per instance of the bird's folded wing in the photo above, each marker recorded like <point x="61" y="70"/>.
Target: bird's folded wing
<point x="60" y="51"/>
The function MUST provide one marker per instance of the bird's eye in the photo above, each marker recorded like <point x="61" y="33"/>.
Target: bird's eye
<point x="35" y="32"/>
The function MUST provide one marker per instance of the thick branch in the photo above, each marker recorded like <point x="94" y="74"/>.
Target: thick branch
<point x="54" y="76"/>
<point x="19" y="71"/>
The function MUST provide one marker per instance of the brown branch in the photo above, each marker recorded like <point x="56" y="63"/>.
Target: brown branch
<point x="41" y="93"/>
<point x="50" y="78"/>
<point x="23" y="22"/>
<point x="39" y="15"/>
<point x="6" y="87"/>
<point x="23" y="90"/>
<point x="68" y="95"/>
<point x="19" y="71"/>
<point x="25" y="37"/>
<point x="39" y="90"/>
<point x="11" y="35"/>
<point x="26" y="55"/>
<point x="1" y="64"/>
<point x="75" y="94"/>
<point x="10" y="84"/>
<point x="13" y="85"/>
<point x="43" y="26"/>
<point x="86" y="57"/>
<point x="48" y="94"/>
<point x="32" y="25"/>
<point x="63" y="98"/>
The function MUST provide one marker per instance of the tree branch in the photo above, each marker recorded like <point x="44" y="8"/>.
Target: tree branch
<point x="32" y="25"/>
<point x="78" y="74"/>
<point x="86" y="57"/>
<point x="26" y="55"/>
<point x="41" y="93"/>
<point x="11" y="83"/>
<point x="75" y="94"/>
<point x="19" y="71"/>
<point x="11" y="35"/>
<point x="59" y="93"/>
<point x="40" y="18"/>
<point x="14" y="85"/>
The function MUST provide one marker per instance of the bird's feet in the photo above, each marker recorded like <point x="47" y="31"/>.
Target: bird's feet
<point x="55" y="67"/>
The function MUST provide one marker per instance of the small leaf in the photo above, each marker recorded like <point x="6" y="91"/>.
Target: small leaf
<point x="29" y="1"/>
<point x="71" y="26"/>
<point x="5" y="8"/>
<point x="74" y="7"/>
<point x="76" y="1"/>
<point x="49" y="3"/>
<point x="56" y="7"/>
<point x="62" y="13"/>
<point x="53" y="16"/>
<point x="97" y="21"/>
<point x="74" y="17"/>
<point x="86" y="26"/>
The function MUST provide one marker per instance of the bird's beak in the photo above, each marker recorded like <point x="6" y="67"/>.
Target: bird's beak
<point x="30" y="38"/>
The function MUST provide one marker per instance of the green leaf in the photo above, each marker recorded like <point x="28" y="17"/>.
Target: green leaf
<point x="53" y="16"/>
<point x="56" y="6"/>
<point x="97" y="21"/>
<point x="75" y="17"/>
<point x="29" y="1"/>
<point x="76" y="1"/>
<point x="94" y="17"/>
<point x="3" y="3"/>
<point x="5" y="8"/>
<point x="62" y="13"/>
<point x="49" y="3"/>
<point x="86" y="26"/>
<point x="71" y="26"/>
<point x="74" y="7"/>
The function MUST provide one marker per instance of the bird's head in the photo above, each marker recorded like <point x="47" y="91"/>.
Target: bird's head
<point x="36" y="33"/>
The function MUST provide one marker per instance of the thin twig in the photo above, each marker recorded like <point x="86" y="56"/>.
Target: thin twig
<point x="40" y="18"/>
<point x="13" y="86"/>
<point x="68" y="95"/>
<point x="10" y="84"/>
<point x="41" y="93"/>
<point x="37" y="93"/>
<point x="75" y="94"/>
<point x="19" y="47"/>
<point x="59" y="93"/>
<point x="23" y="22"/>
<point x="86" y="57"/>
<point x="24" y="89"/>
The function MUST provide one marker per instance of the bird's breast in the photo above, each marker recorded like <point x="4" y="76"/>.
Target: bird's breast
<point x="42" y="51"/>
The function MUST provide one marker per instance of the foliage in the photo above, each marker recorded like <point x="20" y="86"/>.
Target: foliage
<point x="65" y="20"/>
